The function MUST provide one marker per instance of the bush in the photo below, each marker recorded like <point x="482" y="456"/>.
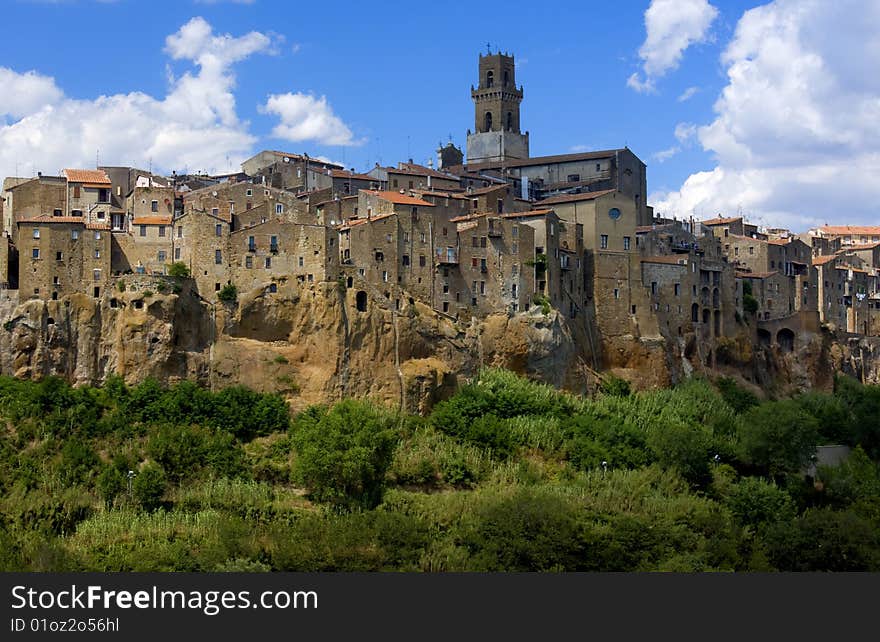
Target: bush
<point x="737" y="397"/>
<point x="179" y="270"/>
<point x="750" y="303"/>
<point x="149" y="486"/>
<point x="344" y="453"/>
<point x="615" y="386"/>
<point x="229" y="293"/>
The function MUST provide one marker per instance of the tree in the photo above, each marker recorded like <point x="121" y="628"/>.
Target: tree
<point x="344" y="453"/>
<point x="779" y="437"/>
<point x="684" y="447"/>
<point x="178" y="269"/>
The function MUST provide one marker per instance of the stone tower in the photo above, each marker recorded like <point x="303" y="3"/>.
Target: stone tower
<point x="496" y="135"/>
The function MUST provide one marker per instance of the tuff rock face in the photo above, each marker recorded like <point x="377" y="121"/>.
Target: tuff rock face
<point x="311" y="344"/>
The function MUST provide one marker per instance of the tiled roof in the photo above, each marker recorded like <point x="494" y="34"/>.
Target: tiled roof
<point x="445" y="194"/>
<point x="822" y="260"/>
<point x="484" y="190"/>
<point x="548" y="160"/>
<point x="861" y="246"/>
<point x="152" y="220"/>
<point x="719" y="220"/>
<point x="778" y="241"/>
<point x="48" y="218"/>
<point x="341" y="173"/>
<point x="91" y="176"/>
<point x="570" y="198"/>
<point x="399" y="199"/>
<point x="527" y="213"/>
<point x="420" y="170"/>
<point x="755" y="275"/>
<point x="843" y="230"/>
<point x="466" y="217"/>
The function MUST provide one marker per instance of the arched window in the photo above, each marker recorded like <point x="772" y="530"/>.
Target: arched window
<point x="506" y="78"/>
<point x="695" y="313"/>
<point x="488" y="124"/>
<point x="490" y="79"/>
<point x="510" y="121"/>
<point x="361" y="301"/>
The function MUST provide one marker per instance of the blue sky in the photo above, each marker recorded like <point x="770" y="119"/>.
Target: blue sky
<point x="187" y="85"/>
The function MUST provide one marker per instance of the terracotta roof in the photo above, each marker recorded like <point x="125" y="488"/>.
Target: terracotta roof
<point x="152" y="220"/>
<point x="778" y="241"/>
<point x="98" y="226"/>
<point x="822" y="260"/>
<point x="644" y="229"/>
<point x="851" y="229"/>
<point x="398" y="199"/>
<point x="93" y="176"/>
<point x="570" y="198"/>
<point x="351" y="223"/>
<point x="485" y="190"/>
<point x="861" y="246"/>
<point x="755" y="275"/>
<point x="526" y="214"/>
<point x="420" y="170"/>
<point x="466" y="217"/>
<point x="428" y="192"/>
<point x="720" y="220"/>
<point x="671" y="260"/>
<point x="548" y="160"/>
<point x="48" y="218"/>
<point x="341" y="173"/>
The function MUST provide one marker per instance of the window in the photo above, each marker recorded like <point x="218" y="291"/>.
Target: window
<point x="384" y="275"/>
<point x="751" y="249"/>
<point x="54" y="280"/>
<point x="482" y="241"/>
<point x="249" y="192"/>
<point x="97" y="235"/>
<point x="103" y="195"/>
<point x="616" y="293"/>
<point x="626" y="242"/>
<point x="422" y="261"/>
<point x="300" y="261"/>
<point x="422" y="238"/>
<point x="490" y="78"/>
<point x="218" y="257"/>
<point x="161" y="255"/>
<point x="59" y="256"/>
<point x="76" y="191"/>
<point x="603" y="242"/>
<point x="154" y="206"/>
<point x="483" y="288"/>
<point x="405" y="259"/>
<point x="97" y="254"/>
<point x="574" y="178"/>
<point x="215" y="211"/>
<point x="177" y="254"/>
<point x="677" y="289"/>
<point x="74" y="235"/>
<point x="180" y="231"/>
<point x="249" y="261"/>
<point x="35" y="253"/>
<point x="487" y="122"/>
<point x="388" y="238"/>
<point x="653" y="287"/>
<point x="273" y="243"/>
<point x="598" y="167"/>
<point x="279" y="208"/>
<point x="143" y="230"/>
<point x="36" y="232"/>
<point x="76" y="213"/>
<point x="161" y="230"/>
<point x="268" y="262"/>
<point x="56" y="212"/>
<point x="252" y="243"/>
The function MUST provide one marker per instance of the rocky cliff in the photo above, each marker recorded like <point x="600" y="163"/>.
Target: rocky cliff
<point x="313" y="344"/>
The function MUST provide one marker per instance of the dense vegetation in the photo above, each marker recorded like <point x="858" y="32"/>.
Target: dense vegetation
<point x="505" y="475"/>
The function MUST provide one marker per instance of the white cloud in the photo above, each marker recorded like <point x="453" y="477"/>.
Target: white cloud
<point x="795" y="135"/>
<point x="672" y="26"/>
<point x="685" y="131"/>
<point x="665" y="154"/>
<point x="195" y="125"/>
<point x="304" y="117"/>
<point x="25" y="93"/>
<point x="688" y="93"/>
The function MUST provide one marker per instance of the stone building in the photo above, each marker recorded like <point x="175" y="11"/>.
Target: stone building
<point x="849" y="234"/>
<point x="284" y="170"/>
<point x="239" y="203"/>
<point x="410" y="176"/>
<point x="723" y="227"/>
<point x="61" y="255"/>
<point x="41" y="196"/>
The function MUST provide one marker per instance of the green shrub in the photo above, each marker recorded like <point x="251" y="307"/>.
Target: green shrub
<point x="779" y="437"/>
<point x="179" y="270"/>
<point x="615" y="386"/>
<point x="344" y="452"/>
<point x="228" y="294"/>
<point x="149" y="486"/>
<point x="736" y="396"/>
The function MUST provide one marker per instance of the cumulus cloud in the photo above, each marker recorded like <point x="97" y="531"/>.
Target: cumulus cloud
<point x="672" y="26"/>
<point x="195" y="125"/>
<point x="795" y="134"/>
<point x="304" y="117"/>
<point x="684" y="134"/>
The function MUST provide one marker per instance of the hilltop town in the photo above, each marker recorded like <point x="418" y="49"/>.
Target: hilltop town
<point x="567" y="241"/>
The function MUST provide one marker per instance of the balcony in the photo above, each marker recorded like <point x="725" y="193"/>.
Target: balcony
<point x="446" y="256"/>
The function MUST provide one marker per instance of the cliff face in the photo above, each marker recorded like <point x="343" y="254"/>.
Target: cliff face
<point x="312" y="344"/>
